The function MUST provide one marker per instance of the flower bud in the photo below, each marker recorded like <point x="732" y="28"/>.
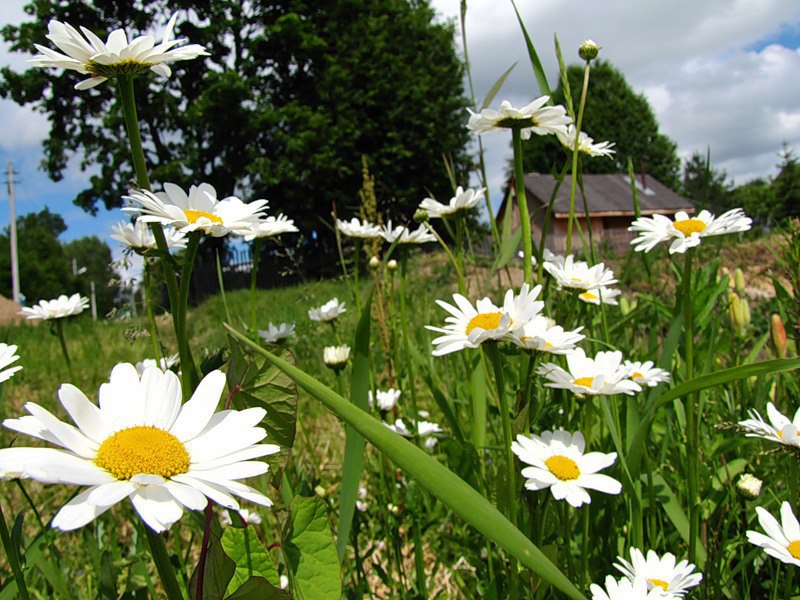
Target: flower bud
<point x="588" y="50"/>
<point x="421" y="216"/>
<point x="336" y="357"/>
<point x="738" y="281"/>
<point x="739" y="313"/>
<point x="778" y="336"/>
<point x="392" y="265"/>
<point x="749" y="486"/>
<point x="374" y="262"/>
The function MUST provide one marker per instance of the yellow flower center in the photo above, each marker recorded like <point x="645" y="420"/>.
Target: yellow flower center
<point x="659" y="583"/>
<point x="794" y="549"/>
<point x="637" y="375"/>
<point x="548" y="345"/>
<point x="195" y="215"/>
<point x="142" y="450"/>
<point x="562" y="467"/>
<point x="485" y="321"/>
<point x="584" y="381"/>
<point x="689" y="226"/>
<point x="589" y="296"/>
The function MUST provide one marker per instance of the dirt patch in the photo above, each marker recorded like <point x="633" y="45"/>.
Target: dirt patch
<point x="9" y="312"/>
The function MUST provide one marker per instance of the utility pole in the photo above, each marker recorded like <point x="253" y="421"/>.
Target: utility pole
<point x="13" y="234"/>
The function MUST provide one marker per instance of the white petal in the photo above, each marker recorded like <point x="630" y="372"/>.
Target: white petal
<point x="186" y="495"/>
<point x="197" y="412"/>
<point x="157" y="507"/>
<point x="49" y="465"/>
<point x="110" y="493"/>
<point x="78" y="512"/>
<point x="86" y="414"/>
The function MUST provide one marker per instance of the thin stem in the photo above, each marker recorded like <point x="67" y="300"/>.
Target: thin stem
<point x="201" y="563"/>
<point x="511" y="478"/>
<point x="253" y="275"/>
<point x="460" y="248"/>
<point x="462" y="287"/>
<point x="356" y="258"/>
<point x="161" y="558"/>
<point x="408" y="363"/>
<point x="13" y="558"/>
<point x="522" y="202"/>
<point x="179" y="316"/>
<point x="151" y="320"/>
<point x="573" y="182"/>
<point x="60" y="333"/>
<point x="692" y="454"/>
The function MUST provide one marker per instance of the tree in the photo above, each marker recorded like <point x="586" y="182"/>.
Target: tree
<point x="94" y="255"/>
<point x="706" y="186"/>
<point x="291" y="96"/>
<point x="786" y="187"/>
<point x="614" y="112"/>
<point x="756" y="198"/>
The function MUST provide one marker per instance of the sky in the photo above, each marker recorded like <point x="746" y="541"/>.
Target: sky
<point x="723" y="74"/>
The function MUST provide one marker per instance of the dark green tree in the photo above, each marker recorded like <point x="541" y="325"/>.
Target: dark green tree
<point x="706" y="186"/>
<point x="43" y="266"/>
<point x="292" y="95"/>
<point x="614" y="112"/>
<point x="756" y="198"/>
<point x="786" y="187"/>
<point x="94" y="255"/>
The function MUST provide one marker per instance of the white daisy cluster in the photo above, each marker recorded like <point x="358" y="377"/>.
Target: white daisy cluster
<point x="780" y="428"/>
<point x="385" y="399"/>
<point x="87" y="54"/>
<point x="646" y="578"/>
<point x="140" y="442"/>
<point x="59" y="308"/>
<point x="594" y="282"/>
<point x="328" y="312"/>
<point x="8" y="356"/>
<point x="685" y="231"/>
<point x="405" y="236"/>
<point x="463" y="201"/>
<point x="274" y="334"/>
<point x="139" y="238"/>
<point x="536" y="117"/>
<point x="426" y="430"/>
<point x="586" y="144"/>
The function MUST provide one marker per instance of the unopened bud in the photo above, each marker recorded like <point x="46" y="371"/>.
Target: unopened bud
<point x="738" y="281"/>
<point x="392" y="265"/>
<point x="739" y="313"/>
<point x="588" y="50"/>
<point x="421" y="216"/>
<point x="319" y="491"/>
<point x="374" y="262"/>
<point x="749" y="486"/>
<point x="778" y="336"/>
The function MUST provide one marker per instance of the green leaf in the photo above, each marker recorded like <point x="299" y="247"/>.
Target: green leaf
<point x="445" y="485"/>
<point x="250" y="557"/>
<point x="219" y="570"/>
<point x="258" y="588"/>
<point x="264" y="385"/>
<point x="496" y="87"/>
<point x="310" y="551"/>
<point x="354" y="442"/>
<point x="672" y="508"/>
<point x="536" y="64"/>
<point x="108" y="577"/>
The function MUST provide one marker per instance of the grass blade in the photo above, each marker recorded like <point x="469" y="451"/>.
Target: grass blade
<point x="536" y="64"/>
<point x="496" y="87"/>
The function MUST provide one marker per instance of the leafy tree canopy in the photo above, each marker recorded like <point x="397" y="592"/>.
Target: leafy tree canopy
<point x="706" y="186"/>
<point x="291" y="96"/>
<point x="614" y="112"/>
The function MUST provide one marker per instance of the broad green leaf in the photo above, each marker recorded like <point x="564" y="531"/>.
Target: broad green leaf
<point x="672" y="508"/>
<point x="264" y="385"/>
<point x="536" y="64"/>
<point x="445" y="485"/>
<point x="354" y="442"/>
<point x="496" y="87"/>
<point x="243" y="547"/>
<point x="219" y="570"/>
<point x="310" y="551"/>
<point x="259" y="588"/>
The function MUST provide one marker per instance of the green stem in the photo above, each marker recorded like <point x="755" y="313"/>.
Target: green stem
<point x="692" y="452"/>
<point x="163" y="565"/>
<point x="179" y="314"/>
<point x="462" y="287"/>
<point x="13" y="558"/>
<point x="511" y="478"/>
<point x="356" y="259"/>
<point x="460" y="249"/>
<point x="574" y="181"/>
<point x="253" y="274"/>
<point x="408" y="363"/>
<point x="522" y="202"/>
<point x="151" y="320"/>
<point x="62" y="339"/>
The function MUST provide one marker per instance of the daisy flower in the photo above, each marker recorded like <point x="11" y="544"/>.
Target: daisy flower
<point x="749" y="485"/>
<point x="165" y="363"/>
<point x="405" y="236"/>
<point x="142" y="443"/>
<point x="8" y="356"/>
<point x="89" y="55"/>
<point x="386" y="400"/>
<point x="644" y="373"/>
<point x="56" y="309"/>
<point x="275" y="334"/>
<point x="660" y="572"/>
<point x="558" y="462"/>
<point x="578" y="274"/>
<point x="328" y="311"/>
<point x="608" y="295"/>
<point x="469" y="326"/>
<point x="271" y="227"/>
<point x="586" y="144"/>
<point x="336" y="357"/>
<point x="358" y="229"/>
<point x="463" y="200"/>
<point x="782" y="540"/>
<point x="685" y="231"/>
<point x="536" y="118"/>
<point x="779" y="429"/>
<point x="139" y="238"/>
<point x="250" y="518"/>
<point x="625" y="589"/>
<point x="199" y="210"/>
<point x="543" y="335"/>
<point x="604" y="374"/>
<point x="424" y="428"/>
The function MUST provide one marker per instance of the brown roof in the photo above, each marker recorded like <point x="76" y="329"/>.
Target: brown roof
<point x="607" y="195"/>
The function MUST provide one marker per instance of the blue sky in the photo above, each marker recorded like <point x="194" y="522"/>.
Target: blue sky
<point x="718" y="73"/>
